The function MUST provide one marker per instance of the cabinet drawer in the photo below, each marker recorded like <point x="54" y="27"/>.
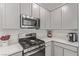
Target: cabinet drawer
<point x="66" y="46"/>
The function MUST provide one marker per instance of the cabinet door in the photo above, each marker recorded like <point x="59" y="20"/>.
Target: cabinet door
<point x="58" y="51"/>
<point x="48" y="49"/>
<point x="69" y="53"/>
<point x="35" y="10"/>
<point x="48" y="20"/>
<point x="1" y="14"/>
<point x="11" y="16"/>
<point x="26" y="8"/>
<point x="69" y="16"/>
<point x="78" y="51"/>
<point x="42" y="18"/>
<point x="78" y="16"/>
<point x="56" y="19"/>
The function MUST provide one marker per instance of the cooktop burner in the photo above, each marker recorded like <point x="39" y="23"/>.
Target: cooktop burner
<point x="30" y="42"/>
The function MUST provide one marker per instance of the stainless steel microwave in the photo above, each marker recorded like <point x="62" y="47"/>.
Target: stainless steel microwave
<point x="29" y="22"/>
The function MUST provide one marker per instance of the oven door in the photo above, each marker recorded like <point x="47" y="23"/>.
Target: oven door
<point x="39" y="53"/>
<point x="34" y="52"/>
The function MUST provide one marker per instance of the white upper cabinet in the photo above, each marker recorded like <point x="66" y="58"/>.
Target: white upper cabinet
<point x="11" y="16"/>
<point x="26" y="8"/>
<point x="35" y="10"/>
<point x="48" y="20"/>
<point x="1" y="14"/>
<point x="42" y="18"/>
<point x="78" y="16"/>
<point x="69" y="16"/>
<point x="56" y="19"/>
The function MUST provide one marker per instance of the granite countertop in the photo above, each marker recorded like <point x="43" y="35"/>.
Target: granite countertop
<point x="11" y="49"/>
<point x="61" y="40"/>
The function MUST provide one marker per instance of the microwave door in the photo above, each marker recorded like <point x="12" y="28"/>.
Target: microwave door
<point x="29" y="23"/>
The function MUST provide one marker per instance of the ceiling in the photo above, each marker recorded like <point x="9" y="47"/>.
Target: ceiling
<point x="50" y="6"/>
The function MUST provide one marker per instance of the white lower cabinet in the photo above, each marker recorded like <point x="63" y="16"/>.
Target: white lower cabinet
<point x="78" y="51"/>
<point x="58" y="51"/>
<point x="64" y="50"/>
<point x="48" y="49"/>
<point x="69" y="53"/>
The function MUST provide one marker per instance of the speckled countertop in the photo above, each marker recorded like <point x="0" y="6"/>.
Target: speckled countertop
<point x="61" y="40"/>
<point x="11" y="49"/>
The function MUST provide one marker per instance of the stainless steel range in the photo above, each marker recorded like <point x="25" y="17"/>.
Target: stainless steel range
<point x="32" y="46"/>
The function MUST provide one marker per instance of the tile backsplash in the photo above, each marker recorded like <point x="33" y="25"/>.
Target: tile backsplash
<point x="14" y="34"/>
<point x="40" y="34"/>
<point x="62" y="33"/>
